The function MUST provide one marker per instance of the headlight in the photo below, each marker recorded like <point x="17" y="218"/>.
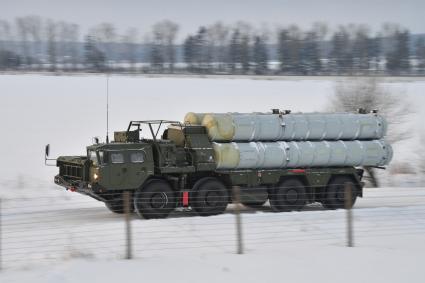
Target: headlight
<point x="95" y="176"/>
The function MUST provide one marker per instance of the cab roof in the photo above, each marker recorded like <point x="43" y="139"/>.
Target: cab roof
<point x="117" y="146"/>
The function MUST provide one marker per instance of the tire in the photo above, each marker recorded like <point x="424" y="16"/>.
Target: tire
<point x="335" y="193"/>
<point x="254" y="204"/>
<point x="116" y="204"/>
<point x="289" y="195"/>
<point x="210" y="197"/>
<point x="155" y="200"/>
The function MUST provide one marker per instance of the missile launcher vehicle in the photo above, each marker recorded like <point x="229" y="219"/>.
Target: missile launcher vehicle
<point x="278" y="157"/>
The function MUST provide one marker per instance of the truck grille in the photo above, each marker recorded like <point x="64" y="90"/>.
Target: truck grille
<point x="71" y="171"/>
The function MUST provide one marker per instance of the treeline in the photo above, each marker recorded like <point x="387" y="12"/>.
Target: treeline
<point x="33" y="43"/>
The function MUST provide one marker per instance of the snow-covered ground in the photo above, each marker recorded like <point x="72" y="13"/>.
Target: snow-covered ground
<point x="50" y="235"/>
<point x="70" y="238"/>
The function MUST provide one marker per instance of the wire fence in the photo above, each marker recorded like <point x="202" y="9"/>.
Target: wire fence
<point x="48" y="229"/>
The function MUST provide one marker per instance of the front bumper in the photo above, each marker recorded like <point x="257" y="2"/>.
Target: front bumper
<point x="73" y="185"/>
<point x="81" y="187"/>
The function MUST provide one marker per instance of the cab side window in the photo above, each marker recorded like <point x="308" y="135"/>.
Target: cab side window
<point x="103" y="156"/>
<point x="137" y="157"/>
<point x="117" y="158"/>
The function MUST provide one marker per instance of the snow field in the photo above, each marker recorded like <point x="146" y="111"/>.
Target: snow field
<point x="67" y="111"/>
<point x="50" y="235"/>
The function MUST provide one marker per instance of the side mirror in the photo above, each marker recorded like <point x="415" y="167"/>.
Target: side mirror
<point x="46" y="155"/>
<point x="47" y="150"/>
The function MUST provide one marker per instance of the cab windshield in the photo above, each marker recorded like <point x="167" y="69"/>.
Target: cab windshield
<point x="93" y="157"/>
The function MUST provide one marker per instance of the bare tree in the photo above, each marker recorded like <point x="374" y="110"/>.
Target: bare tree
<point x="321" y="31"/>
<point x="420" y="54"/>
<point x="34" y="25"/>
<point x="202" y="53"/>
<point x="105" y="34"/>
<point x="260" y="55"/>
<point x="368" y="94"/>
<point x="29" y="29"/>
<point x="219" y="36"/>
<point x="361" y="52"/>
<point x="164" y="34"/>
<point x="4" y="34"/>
<point x="67" y="34"/>
<point x="156" y="51"/>
<point x="129" y="42"/>
<point x="73" y="37"/>
<point x="23" y="35"/>
<point x="421" y="166"/>
<point x="397" y="57"/>
<point x="63" y="52"/>
<point x="51" y="35"/>
<point x="94" y="57"/>
<point x="290" y="46"/>
<point x="8" y="58"/>
<point x="341" y="56"/>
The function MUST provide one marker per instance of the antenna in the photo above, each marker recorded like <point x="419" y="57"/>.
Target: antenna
<point x="107" y="108"/>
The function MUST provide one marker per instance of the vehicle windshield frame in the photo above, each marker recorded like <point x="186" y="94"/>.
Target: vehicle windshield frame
<point x="95" y="162"/>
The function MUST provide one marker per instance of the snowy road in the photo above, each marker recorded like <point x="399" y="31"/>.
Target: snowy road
<point x="68" y="226"/>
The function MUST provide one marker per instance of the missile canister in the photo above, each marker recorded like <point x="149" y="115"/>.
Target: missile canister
<point x="194" y="118"/>
<point x="288" y="127"/>
<point x="267" y="155"/>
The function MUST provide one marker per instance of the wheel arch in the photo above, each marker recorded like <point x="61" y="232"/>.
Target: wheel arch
<point x="154" y="179"/>
<point x="196" y="181"/>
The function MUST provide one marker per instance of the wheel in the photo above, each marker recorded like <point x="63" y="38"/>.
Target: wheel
<point x="210" y="197"/>
<point x="116" y="204"/>
<point x="289" y="195"/>
<point x="254" y="204"/>
<point x="335" y="193"/>
<point x="154" y="200"/>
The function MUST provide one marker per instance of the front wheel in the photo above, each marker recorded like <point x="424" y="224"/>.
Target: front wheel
<point x="155" y="200"/>
<point x="210" y="197"/>
<point x="115" y="203"/>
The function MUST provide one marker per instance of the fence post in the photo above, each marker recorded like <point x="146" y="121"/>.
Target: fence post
<point x="127" y="212"/>
<point x="236" y="201"/>
<point x="348" y="193"/>
<point x="0" y="238"/>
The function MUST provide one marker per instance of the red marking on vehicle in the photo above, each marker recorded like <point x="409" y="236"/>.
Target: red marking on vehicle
<point x="298" y="171"/>
<point x="185" y="198"/>
<point x="72" y="189"/>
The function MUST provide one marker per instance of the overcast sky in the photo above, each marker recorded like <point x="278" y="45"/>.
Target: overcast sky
<point x="190" y="14"/>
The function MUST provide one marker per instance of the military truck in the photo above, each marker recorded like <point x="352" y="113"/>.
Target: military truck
<point x="178" y="168"/>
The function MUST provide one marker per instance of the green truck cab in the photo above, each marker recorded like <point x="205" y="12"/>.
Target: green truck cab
<point x="178" y="169"/>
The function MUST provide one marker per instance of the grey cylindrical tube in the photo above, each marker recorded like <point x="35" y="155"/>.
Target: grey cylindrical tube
<point x="296" y="154"/>
<point x="289" y="127"/>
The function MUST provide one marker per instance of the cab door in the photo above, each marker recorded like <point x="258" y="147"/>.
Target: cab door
<point x="118" y="168"/>
<point x="139" y="167"/>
